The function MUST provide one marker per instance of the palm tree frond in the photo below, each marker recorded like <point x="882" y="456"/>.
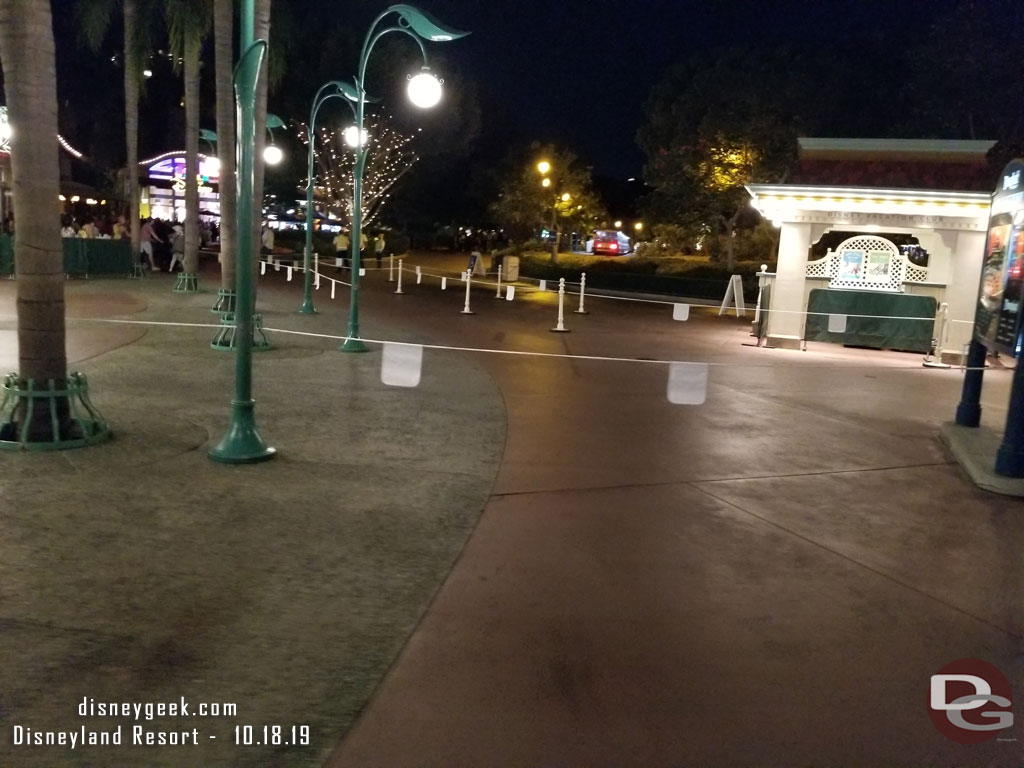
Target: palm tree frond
<point x="92" y="18"/>
<point x="188" y="22"/>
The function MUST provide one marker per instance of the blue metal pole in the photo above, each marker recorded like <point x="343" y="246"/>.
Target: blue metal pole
<point x="1010" y="457"/>
<point x="968" y="412"/>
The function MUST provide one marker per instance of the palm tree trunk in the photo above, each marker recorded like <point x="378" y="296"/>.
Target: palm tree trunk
<point x="192" y="51"/>
<point x="132" y="76"/>
<point x="223" y="21"/>
<point x="27" y="54"/>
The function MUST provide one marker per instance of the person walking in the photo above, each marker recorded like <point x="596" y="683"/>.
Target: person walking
<point x="267" y="240"/>
<point x="177" y="247"/>
<point x="378" y="248"/>
<point x="362" y="248"/>
<point x="341" y="247"/>
<point x="148" y="237"/>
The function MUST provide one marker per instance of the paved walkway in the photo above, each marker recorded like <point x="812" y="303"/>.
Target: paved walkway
<point x="141" y="571"/>
<point x="767" y="579"/>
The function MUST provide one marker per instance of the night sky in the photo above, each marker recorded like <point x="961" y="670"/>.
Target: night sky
<point x="578" y="71"/>
<point x="572" y="72"/>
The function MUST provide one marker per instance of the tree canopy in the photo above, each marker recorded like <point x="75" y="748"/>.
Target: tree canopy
<point x="525" y="205"/>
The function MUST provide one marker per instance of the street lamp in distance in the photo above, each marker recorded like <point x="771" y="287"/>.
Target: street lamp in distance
<point x="329" y="90"/>
<point x="424" y="90"/>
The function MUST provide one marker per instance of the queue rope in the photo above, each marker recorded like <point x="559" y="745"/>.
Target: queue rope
<point x="591" y="294"/>
<point x="514" y="352"/>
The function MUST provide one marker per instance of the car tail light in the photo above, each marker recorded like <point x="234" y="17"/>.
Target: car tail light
<point x="613" y="246"/>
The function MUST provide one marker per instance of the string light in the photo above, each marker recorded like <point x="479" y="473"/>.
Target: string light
<point x="389" y="157"/>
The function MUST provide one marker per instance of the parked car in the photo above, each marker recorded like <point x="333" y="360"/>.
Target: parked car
<point x="611" y="242"/>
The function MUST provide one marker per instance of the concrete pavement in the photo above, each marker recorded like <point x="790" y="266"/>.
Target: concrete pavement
<point x="766" y="579"/>
<point x="140" y="571"/>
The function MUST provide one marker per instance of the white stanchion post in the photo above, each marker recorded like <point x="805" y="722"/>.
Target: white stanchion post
<point x="288" y="273"/>
<point x="444" y="283"/>
<point x="934" y="357"/>
<point x="757" y="306"/>
<point x="399" y="288"/>
<point x="277" y="265"/>
<point x="497" y="293"/>
<point x="334" y="283"/>
<point x="583" y="290"/>
<point x="419" y="275"/>
<point x="391" y="268"/>
<point x="560" y="328"/>
<point x="263" y="267"/>
<point x="466" y="310"/>
<point x="316" y="271"/>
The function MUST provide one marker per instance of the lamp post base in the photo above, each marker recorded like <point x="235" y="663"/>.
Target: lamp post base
<point x="353" y="344"/>
<point x="241" y="444"/>
<point x="307" y="308"/>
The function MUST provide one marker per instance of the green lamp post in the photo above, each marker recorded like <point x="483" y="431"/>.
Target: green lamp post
<point x="242" y="444"/>
<point x="225" y="305"/>
<point x="328" y="90"/>
<point x="424" y="91"/>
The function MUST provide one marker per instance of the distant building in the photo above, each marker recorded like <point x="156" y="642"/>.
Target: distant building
<point x="163" y="186"/>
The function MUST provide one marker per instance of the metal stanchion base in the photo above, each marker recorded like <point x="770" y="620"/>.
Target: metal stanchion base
<point x="45" y="418"/>
<point x="225" y="337"/>
<point x="225" y="302"/>
<point x="188" y="282"/>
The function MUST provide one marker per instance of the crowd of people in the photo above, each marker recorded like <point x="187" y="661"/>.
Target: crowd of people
<point x="162" y="242"/>
<point x="342" y="249"/>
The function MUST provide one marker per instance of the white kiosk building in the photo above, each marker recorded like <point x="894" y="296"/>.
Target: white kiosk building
<point x="868" y="193"/>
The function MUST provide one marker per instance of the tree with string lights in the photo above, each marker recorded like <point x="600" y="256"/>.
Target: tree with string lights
<point x="389" y="157"/>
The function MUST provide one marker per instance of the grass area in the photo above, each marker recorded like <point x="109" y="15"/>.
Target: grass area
<point x="684" y="276"/>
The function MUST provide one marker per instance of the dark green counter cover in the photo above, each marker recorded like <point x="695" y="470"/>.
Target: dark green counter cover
<point x="873" y="319"/>
<point x="81" y="256"/>
<point x="97" y="256"/>
<point x="6" y="255"/>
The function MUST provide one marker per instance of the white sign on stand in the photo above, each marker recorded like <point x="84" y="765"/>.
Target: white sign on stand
<point x="734" y="294"/>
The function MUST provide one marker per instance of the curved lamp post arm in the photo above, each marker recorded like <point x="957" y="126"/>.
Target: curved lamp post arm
<point x="372" y="41"/>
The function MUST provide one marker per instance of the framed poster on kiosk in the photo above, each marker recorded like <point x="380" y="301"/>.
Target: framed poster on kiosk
<point x="997" y="319"/>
